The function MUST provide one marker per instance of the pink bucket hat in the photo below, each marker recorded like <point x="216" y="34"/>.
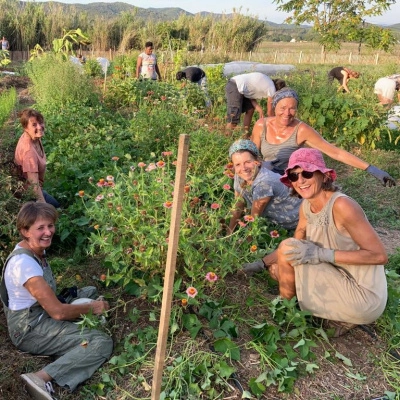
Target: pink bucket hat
<point x="309" y="160"/>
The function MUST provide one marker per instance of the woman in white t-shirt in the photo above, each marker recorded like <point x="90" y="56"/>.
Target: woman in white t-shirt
<point x="146" y="66"/>
<point x="38" y="322"/>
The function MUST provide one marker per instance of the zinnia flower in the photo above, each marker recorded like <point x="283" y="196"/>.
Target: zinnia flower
<point x="226" y="187"/>
<point x="166" y="153"/>
<point x="191" y="292"/>
<point x="160" y="164"/>
<point x="248" y="218"/>
<point x="215" y="206"/>
<point x="132" y="167"/>
<point x="81" y="193"/>
<point x="151" y="167"/>
<point x="274" y="234"/>
<point x="115" y="158"/>
<point x="242" y="224"/>
<point x="99" y="197"/>
<point x="168" y="204"/>
<point x="184" y="302"/>
<point x="141" y="165"/>
<point x="211" y="277"/>
<point x="110" y="178"/>
<point x="253" y="248"/>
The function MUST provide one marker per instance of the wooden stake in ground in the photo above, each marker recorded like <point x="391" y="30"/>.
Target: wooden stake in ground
<point x="183" y="151"/>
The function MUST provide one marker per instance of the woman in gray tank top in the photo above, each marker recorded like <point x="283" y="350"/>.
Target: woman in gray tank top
<point x="279" y="136"/>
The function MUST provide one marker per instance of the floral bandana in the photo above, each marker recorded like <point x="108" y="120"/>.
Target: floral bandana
<point x="283" y="94"/>
<point x="244" y="144"/>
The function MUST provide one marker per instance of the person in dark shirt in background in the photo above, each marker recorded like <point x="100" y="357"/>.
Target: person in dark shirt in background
<point x="195" y="75"/>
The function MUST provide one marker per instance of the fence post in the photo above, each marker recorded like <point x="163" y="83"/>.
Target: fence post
<point x="301" y="54"/>
<point x="376" y="58"/>
<point x="276" y="55"/>
<point x="350" y="57"/>
<point x="249" y="55"/>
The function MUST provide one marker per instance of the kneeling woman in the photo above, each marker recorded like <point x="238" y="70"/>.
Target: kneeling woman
<point x="334" y="263"/>
<point x="38" y="323"/>
<point x="260" y="189"/>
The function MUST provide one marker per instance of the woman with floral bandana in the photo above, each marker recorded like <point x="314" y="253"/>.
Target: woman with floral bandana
<point x="259" y="189"/>
<point x="279" y="136"/>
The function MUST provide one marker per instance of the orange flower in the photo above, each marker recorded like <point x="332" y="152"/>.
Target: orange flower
<point x="184" y="302"/>
<point x="191" y="291"/>
<point x="253" y="248"/>
<point x="81" y="193"/>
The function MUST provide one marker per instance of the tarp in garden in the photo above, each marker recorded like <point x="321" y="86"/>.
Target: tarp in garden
<point x="104" y="63"/>
<point x="241" y="67"/>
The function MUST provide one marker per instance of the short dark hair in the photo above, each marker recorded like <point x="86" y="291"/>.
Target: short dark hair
<point x="30" y="113"/>
<point x="148" y="44"/>
<point x="180" y="75"/>
<point x="279" y="84"/>
<point x="31" y="211"/>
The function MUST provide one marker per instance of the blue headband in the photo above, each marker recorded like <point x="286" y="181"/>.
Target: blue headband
<point x="283" y="94"/>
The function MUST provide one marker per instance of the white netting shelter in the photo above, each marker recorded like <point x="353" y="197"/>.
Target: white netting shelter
<point x="104" y="63"/>
<point x="241" y="67"/>
<point x="75" y="60"/>
<point x="393" y="121"/>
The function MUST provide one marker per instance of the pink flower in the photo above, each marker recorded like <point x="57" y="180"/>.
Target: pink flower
<point x="141" y="165"/>
<point x="163" y="98"/>
<point x="110" y="178"/>
<point x="168" y="204"/>
<point x="274" y="234"/>
<point x="191" y="292"/>
<point x="166" y="153"/>
<point x="226" y="187"/>
<point x="151" y="167"/>
<point x="115" y="158"/>
<point x="99" y="197"/>
<point x="215" y="206"/>
<point x="160" y="164"/>
<point x="241" y="224"/>
<point x="211" y="277"/>
<point x="248" y="218"/>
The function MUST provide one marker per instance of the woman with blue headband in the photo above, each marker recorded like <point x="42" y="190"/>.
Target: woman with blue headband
<point x="279" y="136"/>
<point x="259" y="189"/>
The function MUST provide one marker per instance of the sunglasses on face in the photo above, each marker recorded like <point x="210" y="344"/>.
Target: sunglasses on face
<point x="294" y="176"/>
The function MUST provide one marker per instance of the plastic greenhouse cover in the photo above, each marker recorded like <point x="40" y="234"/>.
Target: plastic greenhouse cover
<point x="75" y="60"/>
<point x="104" y="63"/>
<point x="241" y="67"/>
<point x="393" y="121"/>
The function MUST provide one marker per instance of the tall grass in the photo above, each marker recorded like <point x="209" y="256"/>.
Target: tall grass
<point x="8" y="101"/>
<point x="58" y="82"/>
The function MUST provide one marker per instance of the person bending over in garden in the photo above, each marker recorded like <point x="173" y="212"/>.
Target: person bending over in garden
<point x="279" y="136"/>
<point x="260" y="189"/>
<point x="385" y="89"/>
<point x="30" y="157"/>
<point x="242" y="93"/>
<point x="146" y="66"/>
<point x="38" y="323"/>
<point x="342" y="75"/>
<point x="195" y="75"/>
<point x="334" y="262"/>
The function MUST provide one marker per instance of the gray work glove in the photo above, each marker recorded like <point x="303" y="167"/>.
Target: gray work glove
<point x="383" y="176"/>
<point x="305" y="252"/>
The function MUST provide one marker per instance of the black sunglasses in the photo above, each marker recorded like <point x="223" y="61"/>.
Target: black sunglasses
<point x="294" y="176"/>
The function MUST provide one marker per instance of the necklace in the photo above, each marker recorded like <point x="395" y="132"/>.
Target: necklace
<point x="40" y="256"/>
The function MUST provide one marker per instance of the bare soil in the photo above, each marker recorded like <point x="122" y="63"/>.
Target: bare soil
<point x="333" y="380"/>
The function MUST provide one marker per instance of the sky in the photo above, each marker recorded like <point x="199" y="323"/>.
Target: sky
<point x="264" y="9"/>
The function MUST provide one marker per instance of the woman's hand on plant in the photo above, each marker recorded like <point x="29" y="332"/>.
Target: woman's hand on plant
<point x="383" y="176"/>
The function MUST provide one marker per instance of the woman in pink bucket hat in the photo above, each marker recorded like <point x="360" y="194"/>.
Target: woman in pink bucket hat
<point x="334" y="262"/>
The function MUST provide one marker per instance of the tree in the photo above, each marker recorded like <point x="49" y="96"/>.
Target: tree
<point x="337" y="21"/>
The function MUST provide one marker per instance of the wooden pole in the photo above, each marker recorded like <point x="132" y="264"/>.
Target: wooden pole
<point x="183" y="151"/>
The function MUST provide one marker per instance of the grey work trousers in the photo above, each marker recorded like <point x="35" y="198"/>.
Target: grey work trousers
<point x="80" y="353"/>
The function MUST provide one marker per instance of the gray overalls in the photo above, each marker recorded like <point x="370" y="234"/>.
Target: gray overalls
<point x="32" y="330"/>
